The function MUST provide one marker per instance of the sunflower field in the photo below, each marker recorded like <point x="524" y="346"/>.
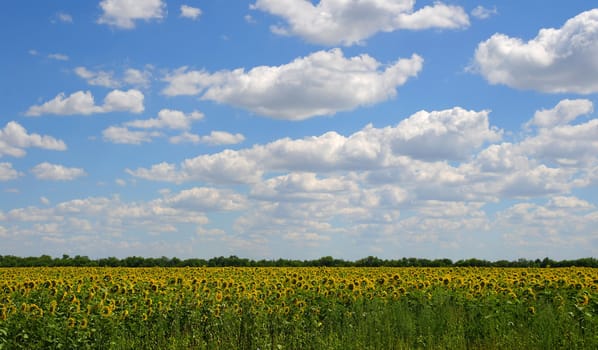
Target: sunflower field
<point x="298" y="308"/>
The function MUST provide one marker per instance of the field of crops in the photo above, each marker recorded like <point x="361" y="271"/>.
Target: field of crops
<point x="298" y="308"/>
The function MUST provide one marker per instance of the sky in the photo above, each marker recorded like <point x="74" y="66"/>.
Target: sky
<point x="299" y="129"/>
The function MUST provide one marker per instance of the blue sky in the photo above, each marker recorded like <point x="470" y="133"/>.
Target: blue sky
<point x="298" y="129"/>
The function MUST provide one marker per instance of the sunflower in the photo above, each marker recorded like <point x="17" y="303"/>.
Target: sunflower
<point x="83" y="324"/>
<point x="3" y="313"/>
<point x="585" y="300"/>
<point x="36" y="311"/>
<point x="24" y="307"/>
<point x="53" y="305"/>
<point x="106" y="311"/>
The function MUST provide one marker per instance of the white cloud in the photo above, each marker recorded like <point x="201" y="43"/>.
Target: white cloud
<point x="79" y="102"/>
<point x="185" y="137"/>
<point x="43" y="200"/>
<point x="225" y="167"/>
<point x="137" y="77"/>
<point x="301" y="187"/>
<point x="534" y="182"/>
<point x="14" y="139"/>
<point x="123" y="13"/>
<point x="481" y="12"/>
<point x="206" y="199"/>
<point x="333" y="22"/>
<point x="122" y="135"/>
<point x="454" y="133"/>
<point x="82" y="102"/>
<point x="168" y="119"/>
<point x="215" y="138"/>
<point x="7" y="172"/>
<point x="323" y="83"/>
<point x="569" y="203"/>
<point x="562" y="223"/>
<point x="131" y="77"/>
<point x="58" y="57"/>
<point x="409" y="161"/>
<point x="190" y="12"/>
<point x="565" y="145"/>
<point x="99" y="78"/>
<point x="558" y="141"/>
<point x="447" y="134"/>
<point x="222" y="138"/>
<point x="556" y="159"/>
<point x="555" y="61"/>
<point x="117" y="100"/>
<point x="306" y="238"/>
<point x="102" y="218"/>
<point x="64" y="17"/>
<point x="563" y="113"/>
<point x="56" y="172"/>
<point x="436" y="179"/>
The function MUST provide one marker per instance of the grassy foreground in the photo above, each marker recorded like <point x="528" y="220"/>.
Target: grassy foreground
<point x="298" y="308"/>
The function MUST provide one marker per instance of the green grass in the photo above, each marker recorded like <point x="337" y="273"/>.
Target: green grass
<point x="434" y="321"/>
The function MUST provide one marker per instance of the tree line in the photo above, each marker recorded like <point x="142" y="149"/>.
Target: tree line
<point x="234" y="261"/>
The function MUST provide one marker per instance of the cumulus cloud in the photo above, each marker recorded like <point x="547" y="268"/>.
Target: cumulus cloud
<point x="64" y="17"/>
<point x="206" y="199"/>
<point x="58" y="56"/>
<point x="123" y="13"/>
<point x="190" y="12"/>
<point x="447" y="134"/>
<point x="227" y="166"/>
<point x="117" y="100"/>
<point x="569" y="202"/>
<point x="168" y="119"/>
<point x="123" y="135"/>
<point x="454" y="133"/>
<point x="373" y="188"/>
<point x="557" y="158"/>
<point x="136" y="131"/>
<point x="100" y="218"/>
<point x="563" y="113"/>
<point x="56" y="172"/>
<point x="7" y="172"/>
<point x="448" y="155"/>
<point x="137" y="77"/>
<point x="481" y="12"/>
<point x="215" y="138"/>
<point x="99" y="78"/>
<point x="297" y="186"/>
<point x="82" y="102"/>
<point x="131" y="76"/>
<point x="565" y="145"/>
<point x="557" y="141"/>
<point x="185" y="137"/>
<point x="322" y="83"/>
<point x="333" y="22"/>
<point x="222" y="138"/>
<point x="14" y="139"/>
<point x="562" y="222"/>
<point x="556" y="61"/>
